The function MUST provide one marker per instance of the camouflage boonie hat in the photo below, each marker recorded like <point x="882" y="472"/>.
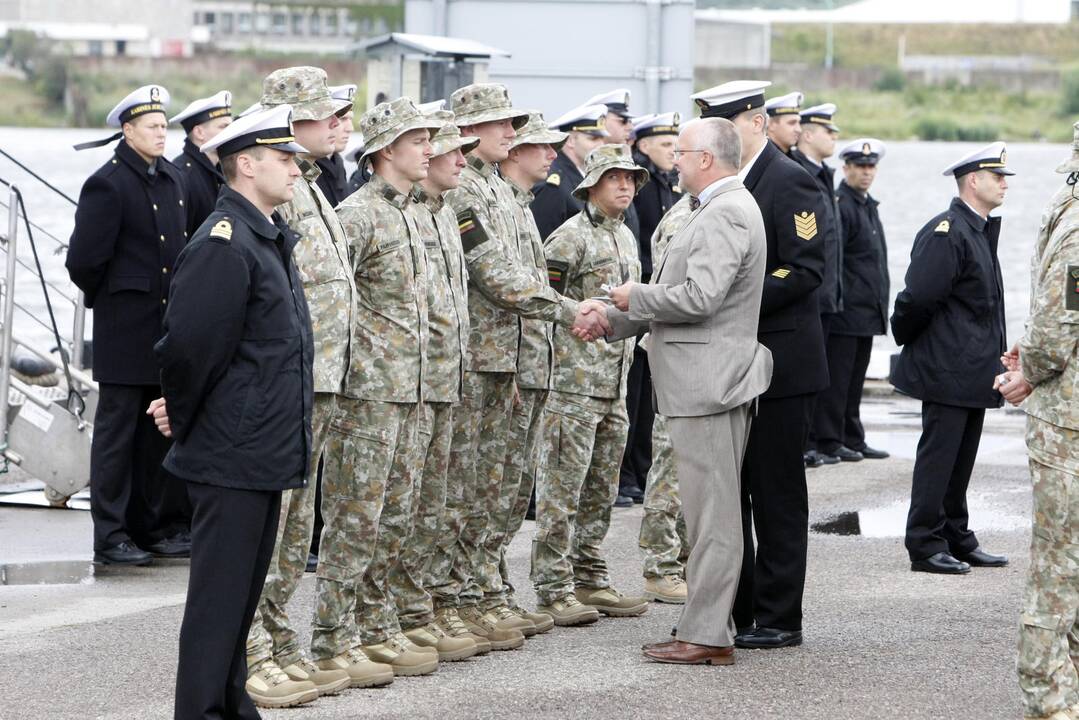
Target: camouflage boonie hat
<point x="387" y="121"/>
<point x="305" y="89"/>
<point x="449" y="138"/>
<point x="485" y="102"/>
<point x="604" y="158"/>
<point x="536" y="132"/>
<point x="1072" y="165"/>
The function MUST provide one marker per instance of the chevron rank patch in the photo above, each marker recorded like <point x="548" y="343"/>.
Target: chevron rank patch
<point x="943" y="227"/>
<point x="222" y="230"/>
<point x="558" y="275"/>
<point x="554" y="179"/>
<point x="805" y="225"/>
<point x="472" y="232"/>
<point x="1071" y="294"/>
<point x="781" y="273"/>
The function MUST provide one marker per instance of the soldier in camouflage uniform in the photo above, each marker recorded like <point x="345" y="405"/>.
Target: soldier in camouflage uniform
<point x="531" y="154"/>
<point x="277" y="666"/>
<point x="663" y="529"/>
<point x="465" y="568"/>
<point x="1045" y="364"/>
<point x="447" y="345"/>
<point x="586" y="424"/>
<point x="367" y="488"/>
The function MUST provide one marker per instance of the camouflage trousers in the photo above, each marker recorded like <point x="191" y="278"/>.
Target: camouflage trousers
<point x="519" y="477"/>
<point x="584" y="438"/>
<point x="271" y="635"/>
<point x="1048" y="654"/>
<point x="410" y="576"/>
<point x="366" y="508"/>
<point x="663" y="529"/>
<point x="462" y="568"/>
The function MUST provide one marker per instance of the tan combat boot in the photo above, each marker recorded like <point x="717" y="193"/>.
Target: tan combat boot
<point x="452" y="625"/>
<point x="270" y="687"/>
<point x="362" y="672"/>
<point x="667" y="589"/>
<point x="542" y="621"/>
<point x="511" y="619"/>
<point x="450" y="649"/>
<point x="398" y="653"/>
<point x="328" y="682"/>
<point x="567" y="611"/>
<point x="487" y="625"/>
<point x="611" y="602"/>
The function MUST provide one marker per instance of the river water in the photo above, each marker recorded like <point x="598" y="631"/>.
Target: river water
<point x="909" y="185"/>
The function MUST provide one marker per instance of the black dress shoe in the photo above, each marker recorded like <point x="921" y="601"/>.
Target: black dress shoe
<point x="125" y="553"/>
<point x="312" y="563"/>
<point x="764" y="638"/>
<point x="633" y="492"/>
<point x="812" y="459"/>
<point x="827" y="459"/>
<point x="623" y="501"/>
<point x="980" y="558"/>
<point x="177" y="546"/>
<point x="845" y="454"/>
<point x="873" y="454"/>
<point x="942" y="563"/>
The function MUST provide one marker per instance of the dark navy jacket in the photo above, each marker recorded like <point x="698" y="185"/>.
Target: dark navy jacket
<point x="650" y="205"/>
<point x="333" y="181"/>
<point x="865" y="267"/>
<point x="236" y="356"/>
<point x="203" y="180"/>
<point x="831" y="290"/>
<point x="950" y="316"/>
<point x="129" y="227"/>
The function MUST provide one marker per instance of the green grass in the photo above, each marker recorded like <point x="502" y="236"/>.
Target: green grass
<point x="23" y="107"/>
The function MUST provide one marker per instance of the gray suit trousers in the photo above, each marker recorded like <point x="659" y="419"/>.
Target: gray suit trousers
<point x="708" y="454"/>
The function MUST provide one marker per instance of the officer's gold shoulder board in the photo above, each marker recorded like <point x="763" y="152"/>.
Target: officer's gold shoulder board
<point x="805" y="225"/>
<point x="943" y="227"/>
<point x="222" y="230"/>
<point x="558" y="275"/>
<point x="554" y="179"/>
<point x="781" y="273"/>
<point x="472" y="232"/>
<point x="1071" y="288"/>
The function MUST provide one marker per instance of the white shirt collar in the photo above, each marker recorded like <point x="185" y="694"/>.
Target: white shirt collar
<point x="744" y="172"/>
<point x="712" y="189"/>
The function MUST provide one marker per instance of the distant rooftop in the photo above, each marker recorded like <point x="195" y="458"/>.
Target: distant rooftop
<point x="910" y="12"/>
<point x="432" y="45"/>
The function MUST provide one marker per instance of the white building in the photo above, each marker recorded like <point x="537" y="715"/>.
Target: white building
<point x="1006" y="12"/>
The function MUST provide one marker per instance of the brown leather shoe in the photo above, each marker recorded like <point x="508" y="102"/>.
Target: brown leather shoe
<point x="684" y="653"/>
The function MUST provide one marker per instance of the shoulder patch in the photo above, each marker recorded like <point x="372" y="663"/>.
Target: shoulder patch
<point x="781" y="273"/>
<point x="222" y="230"/>
<point x="554" y="179"/>
<point x="1071" y="288"/>
<point x="558" y="275"/>
<point x="471" y="229"/>
<point x="805" y="225"/>
<point x="943" y="227"/>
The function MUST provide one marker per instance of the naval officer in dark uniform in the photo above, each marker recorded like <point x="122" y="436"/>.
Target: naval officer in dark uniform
<point x="129" y="227"/>
<point x="785" y="120"/>
<point x="237" y="393"/>
<point x="202" y="120"/>
<point x="949" y="321"/>
<point x="775" y="503"/>
<point x="334" y="180"/>
<point x="865" y="305"/>
<point x="554" y="203"/>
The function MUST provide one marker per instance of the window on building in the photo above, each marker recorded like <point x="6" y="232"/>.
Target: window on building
<point x="95" y="48"/>
<point x="331" y="23"/>
<point x="350" y="27"/>
<point x="280" y="24"/>
<point x="226" y="23"/>
<point x="243" y="22"/>
<point x="208" y="19"/>
<point x="262" y="23"/>
<point x="121" y="47"/>
<point x="297" y="23"/>
<point x="315" y="23"/>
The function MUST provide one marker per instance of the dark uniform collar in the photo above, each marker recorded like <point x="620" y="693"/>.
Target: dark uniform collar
<point x="598" y="219"/>
<point x="859" y="197"/>
<point x="147" y="171"/>
<point x="241" y="209"/>
<point x="961" y="209"/>
<point x="334" y="166"/>
<point x="522" y="196"/>
<point x="200" y="159"/>
<point x="310" y="170"/>
<point x="388" y="192"/>
<point x="484" y="168"/>
<point x="768" y="154"/>
<point x="434" y="203"/>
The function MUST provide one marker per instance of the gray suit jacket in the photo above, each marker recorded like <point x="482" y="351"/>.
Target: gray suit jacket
<point x="702" y="307"/>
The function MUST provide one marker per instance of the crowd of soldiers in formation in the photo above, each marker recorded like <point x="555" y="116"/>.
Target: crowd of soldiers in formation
<point x="442" y="280"/>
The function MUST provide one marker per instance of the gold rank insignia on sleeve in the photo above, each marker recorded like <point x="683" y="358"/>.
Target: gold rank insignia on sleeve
<point x="943" y="227"/>
<point x="781" y="273"/>
<point x="1071" y="294"/>
<point x="222" y="230"/>
<point x="554" y="179"/>
<point x="805" y="225"/>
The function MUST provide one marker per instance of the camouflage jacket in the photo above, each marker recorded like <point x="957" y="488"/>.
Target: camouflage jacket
<point x="322" y="259"/>
<point x="536" y="356"/>
<point x="1049" y="350"/>
<point x="447" y="298"/>
<point x="668" y="227"/>
<point x="388" y="260"/>
<point x="499" y="288"/>
<point x="587" y="251"/>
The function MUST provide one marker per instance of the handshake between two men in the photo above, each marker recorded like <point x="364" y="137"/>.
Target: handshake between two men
<point x="591" y="323"/>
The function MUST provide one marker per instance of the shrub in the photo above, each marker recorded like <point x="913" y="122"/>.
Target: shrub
<point x="1069" y="92"/>
<point x="891" y="80"/>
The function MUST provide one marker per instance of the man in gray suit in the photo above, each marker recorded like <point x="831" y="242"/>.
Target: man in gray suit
<point x="701" y="308"/>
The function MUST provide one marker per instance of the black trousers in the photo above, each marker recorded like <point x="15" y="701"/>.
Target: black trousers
<point x="232" y="540"/>
<point x="837" y="419"/>
<point x="775" y="508"/>
<point x="316" y="535"/>
<point x="937" y="521"/>
<point x="131" y="497"/>
<point x="637" y="458"/>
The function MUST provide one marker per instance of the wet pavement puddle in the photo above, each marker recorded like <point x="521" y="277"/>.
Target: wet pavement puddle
<point x="61" y="572"/>
<point x="891" y="520"/>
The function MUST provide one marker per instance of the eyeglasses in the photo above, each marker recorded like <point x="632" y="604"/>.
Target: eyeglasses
<point x="680" y="153"/>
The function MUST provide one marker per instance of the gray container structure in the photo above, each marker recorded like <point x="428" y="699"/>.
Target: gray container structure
<point x="562" y="52"/>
